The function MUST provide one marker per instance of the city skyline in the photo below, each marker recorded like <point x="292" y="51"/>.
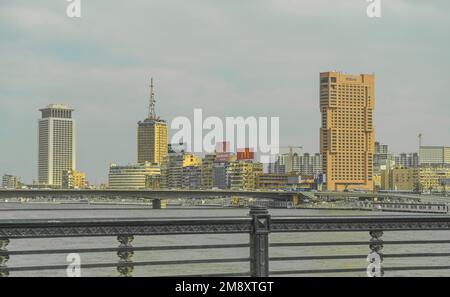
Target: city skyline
<point x="107" y="85"/>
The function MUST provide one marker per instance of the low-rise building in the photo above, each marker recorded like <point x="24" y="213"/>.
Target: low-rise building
<point x="272" y="181"/>
<point x="73" y="179"/>
<point x="433" y="178"/>
<point x="243" y="175"/>
<point x="434" y="155"/>
<point x="420" y="179"/>
<point x="10" y="181"/>
<point x="134" y="176"/>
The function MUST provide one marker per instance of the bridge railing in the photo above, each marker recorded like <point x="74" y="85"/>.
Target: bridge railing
<point x="259" y="225"/>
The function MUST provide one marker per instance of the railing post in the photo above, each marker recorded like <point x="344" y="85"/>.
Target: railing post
<point x="259" y="242"/>
<point x="125" y="266"/>
<point x="4" y="257"/>
<point x="156" y="203"/>
<point x="375" y="258"/>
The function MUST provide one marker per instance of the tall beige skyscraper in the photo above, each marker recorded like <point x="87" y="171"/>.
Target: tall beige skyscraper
<point x="152" y="138"/>
<point x="57" y="151"/>
<point x="347" y="134"/>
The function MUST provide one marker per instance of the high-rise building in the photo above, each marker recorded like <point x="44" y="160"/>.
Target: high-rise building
<point x="57" y="151"/>
<point x="407" y="160"/>
<point x="309" y="164"/>
<point x="347" y="134"/>
<point x="434" y="155"/>
<point x="279" y="166"/>
<point x="152" y="135"/>
<point x="382" y="158"/>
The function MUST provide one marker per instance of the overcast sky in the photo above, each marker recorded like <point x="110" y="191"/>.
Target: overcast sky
<point x="228" y="57"/>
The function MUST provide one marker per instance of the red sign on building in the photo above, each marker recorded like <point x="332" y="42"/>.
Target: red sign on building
<point x="245" y="154"/>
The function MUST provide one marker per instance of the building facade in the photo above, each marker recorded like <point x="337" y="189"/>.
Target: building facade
<point x="74" y="179"/>
<point x="243" y="175"/>
<point x="403" y="179"/>
<point x="10" y="181"/>
<point x="434" y="178"/>
<point x="382" y="158"/>
<point x="152" y="135"/>
<point x="272" y="181"/>
<point x="434" y="155"/>
<point x="57" y="152"/>
<point x="172" y="171"/>
<point x="407" y="160"/>
<point x="309" y="164"/>
<point x="422" y="179"/>
<point x="347" y="133"/>
<point x="221" y="175"/>
<point x="132" y="177"/>
<point x="207" y="180"/>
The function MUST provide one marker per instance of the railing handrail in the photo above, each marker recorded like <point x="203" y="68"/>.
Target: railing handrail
<point x="154" y="226"/>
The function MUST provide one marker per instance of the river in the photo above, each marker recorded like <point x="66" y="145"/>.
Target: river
<point x="59" y="211"/>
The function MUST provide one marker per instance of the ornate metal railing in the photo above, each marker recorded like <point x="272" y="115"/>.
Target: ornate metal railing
<point x="259" y="225"/>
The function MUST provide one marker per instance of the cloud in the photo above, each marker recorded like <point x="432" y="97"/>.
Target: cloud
<point x="230" y="58"/>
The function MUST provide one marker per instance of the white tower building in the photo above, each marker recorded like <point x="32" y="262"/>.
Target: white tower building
<point x="57" y="151"/>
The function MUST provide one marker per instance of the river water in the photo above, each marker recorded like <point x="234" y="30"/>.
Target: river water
<point x="59" y="211"/>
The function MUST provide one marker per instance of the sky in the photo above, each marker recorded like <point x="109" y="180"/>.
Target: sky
<point x="229" y="58"/>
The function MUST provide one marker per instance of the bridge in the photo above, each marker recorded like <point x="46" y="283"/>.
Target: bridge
<point x="157" y="195"/>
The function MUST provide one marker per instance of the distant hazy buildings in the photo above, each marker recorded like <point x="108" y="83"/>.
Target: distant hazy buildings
<point x="279" y="166"/>
<point x="382" y="158"/>
<point x="434" y="155"/>
<point x="152" y="136"/>
<point x="56" y="144"/>
<point x="306" y="164"/>
<point x="407" y="160"/>
<point x="10" y="181"/>
<point x="421" y="179"/>
<point x="347" y="134"/>
<point x="309" y="164"/>
<point x="134" y="176"/>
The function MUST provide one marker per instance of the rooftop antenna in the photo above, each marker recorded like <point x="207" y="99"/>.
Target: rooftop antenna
<point x="151" y="109"/>
<point x="420" y="139"/>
